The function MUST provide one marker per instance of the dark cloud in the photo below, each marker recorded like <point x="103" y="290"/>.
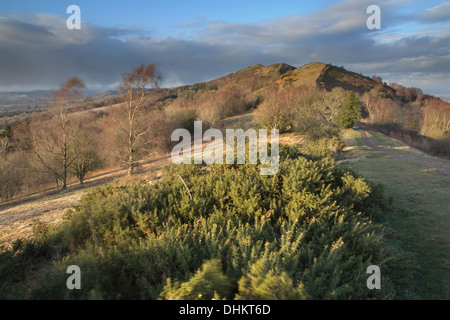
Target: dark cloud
<point x="12" y="31"/>
<point x="44" y="53"/>
<point x="40" y="52"/>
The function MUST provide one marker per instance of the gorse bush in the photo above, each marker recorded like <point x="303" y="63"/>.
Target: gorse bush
<point x="208" y="283"/>
<point x="306" y="232"/>
<point x="263" y="283"/>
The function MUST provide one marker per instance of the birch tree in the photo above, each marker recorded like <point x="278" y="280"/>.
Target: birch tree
<point x="53" y="140"/>
<point x="134" y="87"/>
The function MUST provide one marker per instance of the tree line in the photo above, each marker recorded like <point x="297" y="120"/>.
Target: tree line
<point x="65" y="141"/>
<point x="70" y="140"/>
<point x="420" y="120"/>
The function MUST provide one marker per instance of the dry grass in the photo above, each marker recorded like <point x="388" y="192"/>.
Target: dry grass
<point x="17" y="221"/>
<point x="17" y="217"/>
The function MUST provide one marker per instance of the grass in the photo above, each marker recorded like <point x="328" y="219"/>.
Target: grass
<point x="393" y="143"/>
<point x="386" y="141"/>
<point x="307" y="74"/>
<point x="420" y="220"/>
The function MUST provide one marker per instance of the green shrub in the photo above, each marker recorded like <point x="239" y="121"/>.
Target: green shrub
<point x="207" y="284"/>
<point x="262" y="283"/>
<point x="350" y="111"/>
<point x="310" y="224"/>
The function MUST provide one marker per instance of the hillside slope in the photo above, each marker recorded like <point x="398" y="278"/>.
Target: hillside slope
<point x="315" y="74"/>
<point x="252" y="80"/>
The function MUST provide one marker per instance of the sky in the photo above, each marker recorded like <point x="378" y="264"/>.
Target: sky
<point x="195" y="41"/>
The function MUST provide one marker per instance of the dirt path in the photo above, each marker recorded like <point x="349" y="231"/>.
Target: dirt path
<point x="432" y="163"/>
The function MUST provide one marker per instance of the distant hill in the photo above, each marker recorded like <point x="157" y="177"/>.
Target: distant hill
<point x="22" y="98"/>
<point x="317" y="74"/>
<point x="445" y="97"/>
<point x="18" y="106"/>
<point x="254" y="79"/>
<point x="312" y="74"/>
<point x="37" y="97"/>
<point x="257" y="77"/>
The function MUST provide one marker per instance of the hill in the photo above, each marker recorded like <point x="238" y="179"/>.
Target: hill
<point x="307" y="99"/>
<point x="252" y="80"/>
<point x="316" y="74"/>
<point x="256" y="78"/>
<point x="20" y="106"/>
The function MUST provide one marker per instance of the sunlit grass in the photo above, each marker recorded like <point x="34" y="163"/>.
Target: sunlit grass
<point x="421" y="216"/>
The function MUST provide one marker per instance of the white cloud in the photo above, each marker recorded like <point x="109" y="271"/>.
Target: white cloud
<point x="439" y="13"/>
<point x="39" y="50"/>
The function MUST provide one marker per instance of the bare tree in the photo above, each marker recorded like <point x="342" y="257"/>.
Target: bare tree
<point x="53" y="140"/>
<point x="11" y="179"/>
<point x="275" y="112"/>
<point x="134" y="87"/>
<point x="5" y="137"/>
<point x="86" y="158"/>
<point x="436" y="121"/>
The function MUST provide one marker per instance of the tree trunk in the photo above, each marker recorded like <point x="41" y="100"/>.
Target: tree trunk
<point x="130" y="165"/>
<point x="64" y="177"/>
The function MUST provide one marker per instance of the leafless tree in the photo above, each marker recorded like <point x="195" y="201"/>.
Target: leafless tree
<point x="87" y="158"/>
<point x="6" y="137"/>
<point x="134" y="87"/>
<point x="53" y="140"/>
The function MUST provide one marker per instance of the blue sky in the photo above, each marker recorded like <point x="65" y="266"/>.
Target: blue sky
<point x="167" y="18"/>
<point x="163" y="17"/>
<point x="192" y="41"/>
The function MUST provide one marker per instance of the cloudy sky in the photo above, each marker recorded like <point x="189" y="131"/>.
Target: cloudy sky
<point x="193" y="41"/>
